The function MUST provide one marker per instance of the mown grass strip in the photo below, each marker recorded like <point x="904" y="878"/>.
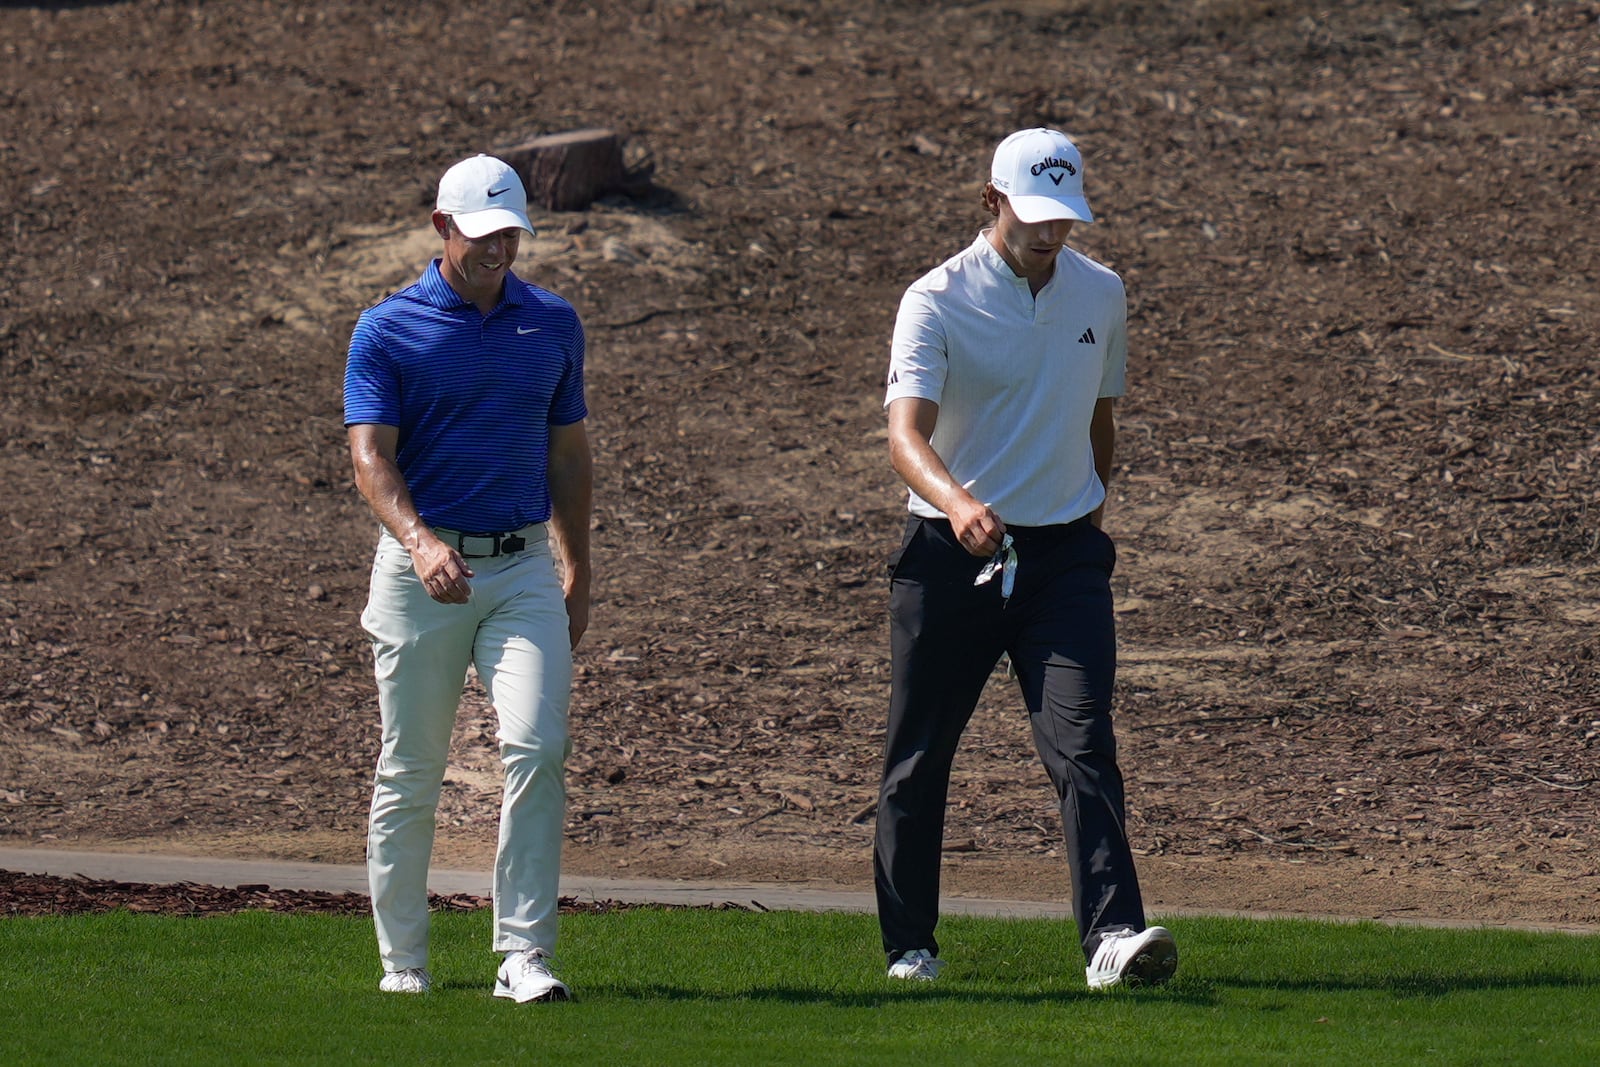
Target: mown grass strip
<point x="660" y="986"/>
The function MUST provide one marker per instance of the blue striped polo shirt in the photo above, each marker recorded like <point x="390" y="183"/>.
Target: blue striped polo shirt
<point x="473" y="396"/>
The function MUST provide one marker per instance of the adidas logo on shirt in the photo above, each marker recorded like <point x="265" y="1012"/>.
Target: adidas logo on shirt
<point x="1087" y="338"/>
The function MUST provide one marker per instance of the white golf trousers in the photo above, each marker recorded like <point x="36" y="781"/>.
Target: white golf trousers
<point x="514" y="629"/>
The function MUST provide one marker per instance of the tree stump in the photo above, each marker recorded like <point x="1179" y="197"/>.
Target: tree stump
<point x="567" y="171"/>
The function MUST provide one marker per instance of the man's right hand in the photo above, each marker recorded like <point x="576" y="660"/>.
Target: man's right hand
<point x="977" y="527"/>
<point x="443" y="571"/>
<point x="911" y="423"/>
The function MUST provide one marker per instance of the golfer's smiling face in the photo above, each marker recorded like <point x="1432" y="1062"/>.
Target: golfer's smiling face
<point x="477" y="266"/>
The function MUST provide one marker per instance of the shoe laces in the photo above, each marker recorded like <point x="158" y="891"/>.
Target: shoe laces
<point x="411" y="977"/>
<point x="531" y="961"/>
<point x="1108" y="947"/>
<point x="919" y="961"/>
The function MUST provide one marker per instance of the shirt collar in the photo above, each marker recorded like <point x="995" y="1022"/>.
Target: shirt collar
<point x="437" y="292"/>
<point x="991" y="256"/>
<point x="997" y="264"/>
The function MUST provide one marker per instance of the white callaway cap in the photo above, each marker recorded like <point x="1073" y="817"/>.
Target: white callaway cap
<point x="484" y="195"/>
<point x="1041" y="173"/>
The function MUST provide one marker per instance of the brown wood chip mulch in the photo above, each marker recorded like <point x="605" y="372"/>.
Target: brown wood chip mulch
<point x="37" y="894"/>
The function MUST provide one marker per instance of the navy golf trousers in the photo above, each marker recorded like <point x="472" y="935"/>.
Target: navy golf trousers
<point x="947" y="635"/>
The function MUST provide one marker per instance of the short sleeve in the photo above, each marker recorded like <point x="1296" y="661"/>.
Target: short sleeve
<point x="1113" y="376"/>
<point x="371" y="385"/>
<point x="568" y="405"/>
<point x="918" y="354"/>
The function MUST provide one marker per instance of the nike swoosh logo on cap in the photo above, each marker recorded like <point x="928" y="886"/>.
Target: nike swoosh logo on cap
<point x="499" y="192"/>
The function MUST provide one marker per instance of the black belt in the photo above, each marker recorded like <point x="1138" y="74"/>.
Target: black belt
<point x="1023" y="535"/>
<point x="484" y="545"/>
<point x="1047" y="534"/>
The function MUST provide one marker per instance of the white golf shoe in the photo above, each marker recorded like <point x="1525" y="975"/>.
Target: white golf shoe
<point x="1133" y="958"/>
<point x="525" y="975"/>
<point x="409" y="980"/>
<point x="918" y="965"/>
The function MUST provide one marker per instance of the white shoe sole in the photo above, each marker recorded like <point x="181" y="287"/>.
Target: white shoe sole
<point x="554" y="993"/>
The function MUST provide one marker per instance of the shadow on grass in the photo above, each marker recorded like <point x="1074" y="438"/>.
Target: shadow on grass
<point x="952" y="994"/>
<point x="1413" y="985"/>
<point x="1194" y="992"/>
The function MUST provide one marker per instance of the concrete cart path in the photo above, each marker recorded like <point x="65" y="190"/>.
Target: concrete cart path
<point x="161" y="869"/>
<point x="352" y="878"/>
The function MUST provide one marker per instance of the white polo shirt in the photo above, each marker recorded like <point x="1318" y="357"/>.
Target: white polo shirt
<point x="1016" y="377"/>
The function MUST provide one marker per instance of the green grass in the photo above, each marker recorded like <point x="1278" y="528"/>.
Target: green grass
<point x="717" y="987"/>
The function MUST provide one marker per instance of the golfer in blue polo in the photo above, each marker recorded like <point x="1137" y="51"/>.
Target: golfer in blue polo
<point x="464" y="403"/>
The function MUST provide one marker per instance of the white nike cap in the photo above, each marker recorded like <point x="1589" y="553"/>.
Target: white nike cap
<point x="1041" y="173"/>
<point x="483" y="194"/>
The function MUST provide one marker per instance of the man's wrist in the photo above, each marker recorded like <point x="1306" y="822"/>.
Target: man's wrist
<point x="415" y="535"/>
